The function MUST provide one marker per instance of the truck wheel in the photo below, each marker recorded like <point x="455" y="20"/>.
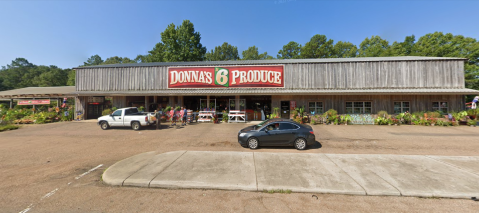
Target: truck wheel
<point x="104" y="125"/>
<point x="135" y="125"/>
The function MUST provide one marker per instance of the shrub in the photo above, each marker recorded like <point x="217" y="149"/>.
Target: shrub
<point x="471" y="123"/>
<point x="7" y="127"/>
<point x="297" y="119"/>
<point x="331" y="115"/>
<point x="225" y="116"/>
<point x="107" y="112"/>
<point x="381" y="121"/>
<point x="383" y="114"/>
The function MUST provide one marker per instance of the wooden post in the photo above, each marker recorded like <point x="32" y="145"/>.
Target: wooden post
<point x="237" y="101"/>
<point x="11" y="103"/>
<point x="208" y="101"/>
<point x="146" y="103"/>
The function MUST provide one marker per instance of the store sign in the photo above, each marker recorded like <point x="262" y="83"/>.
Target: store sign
<point x="34" y="102"/>
<point x="292" y="105"/>
<point x="226" y="76"/>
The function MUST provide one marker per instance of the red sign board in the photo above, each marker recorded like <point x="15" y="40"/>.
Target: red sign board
<point x="34" y="102"/>
<point x="292" y="105"/>
<point x="226" y="77"/>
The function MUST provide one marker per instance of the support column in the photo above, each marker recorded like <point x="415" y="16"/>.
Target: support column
<point x="146" y="104"/>
<point x="180" y="101"/>
<point x="58" y="103"/>
<point x="208" y="101"/>
<point x="237" y="102"/>
<point x="34" y="107"/>
<point x="11" y="103"/>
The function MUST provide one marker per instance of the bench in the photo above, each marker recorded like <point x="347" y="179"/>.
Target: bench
<point x="233" y="116"/>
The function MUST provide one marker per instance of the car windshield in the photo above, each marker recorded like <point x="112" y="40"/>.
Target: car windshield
<point x="262" y="123"/>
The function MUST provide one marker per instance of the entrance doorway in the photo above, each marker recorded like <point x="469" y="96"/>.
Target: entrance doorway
<point x="258" y="107"/>
<point x="285" y="109"/>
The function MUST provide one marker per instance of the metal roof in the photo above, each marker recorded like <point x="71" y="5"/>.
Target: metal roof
<point x="35" y="92"/>
<point x="276" y="61"/>
<point x="255" y="91"/>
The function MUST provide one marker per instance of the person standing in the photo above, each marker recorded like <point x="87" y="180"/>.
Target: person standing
<point x="173" y="116"/>
<point x="185" y="113"/>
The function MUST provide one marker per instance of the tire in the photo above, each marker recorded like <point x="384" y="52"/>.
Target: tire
<point x="253" y="143"/>
<point x="104" y="125"/>
<point x="135" y="125"/>
<point x="300" y="144"/>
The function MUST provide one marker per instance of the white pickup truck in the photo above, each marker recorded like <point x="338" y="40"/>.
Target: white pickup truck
<point x="127" y="117"/>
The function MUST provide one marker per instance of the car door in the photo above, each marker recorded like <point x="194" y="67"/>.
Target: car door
<point x="116" y="118"/>
<point x="287" y="133"/>
<point x="268" y="135"/>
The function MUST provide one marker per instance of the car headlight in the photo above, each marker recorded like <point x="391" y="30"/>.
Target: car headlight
<point x="242" y="134"/>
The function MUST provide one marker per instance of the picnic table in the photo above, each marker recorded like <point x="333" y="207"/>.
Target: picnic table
<point x="233" y="116"/>
<point x="205" y="116"/>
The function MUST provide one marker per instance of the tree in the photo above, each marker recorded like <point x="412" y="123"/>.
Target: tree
<point x="292" y="50"/>
<point x="345" y="50"/>
<point x="318" y="47"/>
<point x="93" y="60"/>
<point x="225" y="52"/>
<point x="182" y="43"/>
<point x="374" y="47"/>
<point x="71" y="77"/>
<point x="438" y="44"/>
<point x="118" y="60"/>
<point x="252" y="54"/>
<point x="405" y="48"/>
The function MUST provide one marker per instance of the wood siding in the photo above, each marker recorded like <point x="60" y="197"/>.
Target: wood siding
<point x="378" y="102"/>
<point x="345" y="75"/>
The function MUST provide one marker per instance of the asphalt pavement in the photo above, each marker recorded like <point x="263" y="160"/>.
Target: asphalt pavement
<point x="354" y="174"/>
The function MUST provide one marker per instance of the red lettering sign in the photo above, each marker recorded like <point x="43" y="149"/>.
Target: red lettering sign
<point x="226" y="77"/>
<point x="34" y="102"/>
<point x="292" y="105"/>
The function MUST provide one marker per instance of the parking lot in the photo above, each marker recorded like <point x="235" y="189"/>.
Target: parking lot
<point x="50" y="168"/>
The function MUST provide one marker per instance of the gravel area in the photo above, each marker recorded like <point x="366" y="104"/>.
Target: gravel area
<point x="40" y="163"/>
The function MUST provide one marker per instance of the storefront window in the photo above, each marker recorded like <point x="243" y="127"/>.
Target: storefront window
<point x="359" y="107"/>
<point x="316" y="108"/>
<point x="440" y="106"/>
<point x="401" y="107"/>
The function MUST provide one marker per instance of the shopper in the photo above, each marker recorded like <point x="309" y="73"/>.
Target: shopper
<point x="185" y="113"/>
<point x="173" y="116"/>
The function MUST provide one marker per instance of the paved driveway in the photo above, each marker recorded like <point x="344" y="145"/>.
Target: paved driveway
<point x="357" y="174"/>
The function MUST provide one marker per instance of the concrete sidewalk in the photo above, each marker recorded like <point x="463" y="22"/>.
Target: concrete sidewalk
<point x="399" y="175"/>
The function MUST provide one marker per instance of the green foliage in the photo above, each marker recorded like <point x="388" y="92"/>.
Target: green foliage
<point x="118" y="60"/>
<point x="167" y="109"/>
<point x="225" y="116"/>
<point x="93" y="60"/>
<point x="331" y="115"/>
<point x="383" y="114"/>
<point x="225" y="52"/>
<point x="345" y="50"/>
<point x="318" y="47"/>
<point x="8" y="127"/>
<point x="459" y="115"/>
<point x="182" y="43"/>
<point x="292" y="50"/>
<point x="252" y="54"/>
<point x="21" y="73"/>
<point x="346" y="119"/>
<point x="374" y="47"/>
<point x="141" y="108"/>
<point x="471" y="123"/>
<point x="177" y="108"/>
<point x="107" y="111"/>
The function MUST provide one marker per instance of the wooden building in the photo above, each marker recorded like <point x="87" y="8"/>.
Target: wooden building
<point x="348" y="85"/>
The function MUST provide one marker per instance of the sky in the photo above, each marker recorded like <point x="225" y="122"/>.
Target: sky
<point x="66" y="33"/>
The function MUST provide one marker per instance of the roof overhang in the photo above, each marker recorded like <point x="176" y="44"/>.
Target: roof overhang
<point x="229" y="92"/>
<point x="39" y="92"/>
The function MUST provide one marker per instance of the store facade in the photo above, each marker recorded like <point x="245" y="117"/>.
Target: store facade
<point x="348" y="85"/>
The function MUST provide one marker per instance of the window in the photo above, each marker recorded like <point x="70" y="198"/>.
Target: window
<point x="401" y="106"/>
<point x="316" y="108"/>
<point x="286" y="126"/>
<point x="440" y="106"/>
<point x="116" y="113"/>
<point x="358" y="107"/>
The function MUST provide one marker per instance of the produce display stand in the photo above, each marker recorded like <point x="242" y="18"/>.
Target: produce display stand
<point x="233" y="116"/>
<point x="205" y="116"/>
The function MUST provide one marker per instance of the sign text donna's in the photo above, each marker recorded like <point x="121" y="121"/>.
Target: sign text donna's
<point x="224" y="76"/>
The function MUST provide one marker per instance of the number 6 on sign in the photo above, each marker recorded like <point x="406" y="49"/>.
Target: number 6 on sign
<point x="221" y="76"/>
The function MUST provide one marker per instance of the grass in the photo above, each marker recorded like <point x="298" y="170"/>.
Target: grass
<point x="281" y="191"/>
<point x="7" y="127"/>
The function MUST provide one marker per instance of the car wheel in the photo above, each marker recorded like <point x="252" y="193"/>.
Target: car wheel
<point x="253" y="143"/>
<point x="136" y="125"/>
<point x="104" y="125"/>
<point x="300" y="144"/>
